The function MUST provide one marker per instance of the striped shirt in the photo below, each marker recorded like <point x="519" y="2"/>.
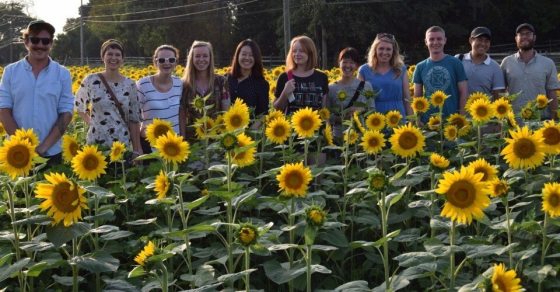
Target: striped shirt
<point x="161" y="105"/>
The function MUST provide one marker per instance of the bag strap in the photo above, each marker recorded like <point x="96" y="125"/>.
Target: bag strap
<point x="356" y="94"/>
<point x="113" y="97"/>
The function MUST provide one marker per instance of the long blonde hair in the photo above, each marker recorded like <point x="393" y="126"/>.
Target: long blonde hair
<point x="189" y="75"/>
<point x="308" y="46"/>
<point x="396" y="61"/>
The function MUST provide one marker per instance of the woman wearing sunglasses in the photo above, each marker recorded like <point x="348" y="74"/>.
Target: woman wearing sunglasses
<point x="386" y="72"/>
<point x="108" y="102"/>
<point x="160" y="94"/>
<point x="199" y="80"/>
<point x="246" y="78"/>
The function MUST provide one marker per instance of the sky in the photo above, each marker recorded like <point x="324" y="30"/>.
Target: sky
<point x="55" y="12"/>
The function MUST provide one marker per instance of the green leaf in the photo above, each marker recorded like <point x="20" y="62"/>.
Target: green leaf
<point x="13" y="268"/>
<point x="204" y="276"/>
<point x="335" y="237"/>
<point x="399" y="174"/>
<point x="194" y="204"/>
<point x="323" y="247"/>
<point x="284" y="246"/>
<point x="116" y="235"/>
<point x="275" y="272"/>
<point x="66" y="281"/>
<point x="36" y="269"/>
<point x="6" y="258"/>
<point x="235" y="276"/>
<point x="118" y="285"/>
<point x="219" y="168"/>
<point x="137" y="272"/>
<point x="60" y="235"/>
<point x="100" y="192"/>
<point x="240" y="199"/>
<point x="104" y="229"/>
<point x="142" y="221"/>
<point x="37" y="219"/>
<point x="354" y="286"/>
<point x="97" y="262"/>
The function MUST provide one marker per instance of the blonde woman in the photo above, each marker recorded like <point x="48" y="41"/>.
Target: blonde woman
<point x="199" y="80"/>
<point x="387" y="74"/>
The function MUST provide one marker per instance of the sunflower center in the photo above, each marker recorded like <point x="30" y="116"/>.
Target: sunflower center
<point x="160" y="130"/>
<point x="235" y="121"/>
<point x="294" y="180"/>
<point x="279" y="131"/>
<point x="551" y="136"/>
<point x="481" y="111"/>
<point x="316" y="216"/>
<point x="64" y="197"/>
<point x="74" y="147"/>
<point x="502" y="109"/>
<point x="171" y="149"/>
<point x="483" y="171"/>
<point x="18" y="156"/>
<point x="524" y="148"/>
<point x="373" y="142"/>
<point x="408" y="140"/>
<point x="90" y="162"/>
<point x="459" y="123"/>
<point x="502" y="286"/>
<point x="420" y="106"/>
<point x="376" y="122"/>
<point x="554" y="200"/>
<point x="306" y="124"/>
<point x="461" y="194"/>
<point x="394" y="120"/>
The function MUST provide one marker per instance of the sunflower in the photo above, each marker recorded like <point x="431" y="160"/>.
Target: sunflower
<point x="237" y="116"/>
<point x="89" y="163"/>
<point x="550" y="131"/>
<point x="501" y="107"/>
<point x="512" y="122"/>
<point x="156" y="129"/>
<point x="278" y="130"/>
<point x="407" y="140"/>
<point x="450" y="132"/>
<point x="229" y="141"/>
<point x="551" y="199"/>
<point x="438" y="98"/>
<point x="204" y="127"/>
<point x="481" y="110"/>
<point x="350" y="136"/>
<point x="172" y="148"/>
<point x="439" y="161"/>
<point x="325" y="114"/>
<point x="465" y="193"/>
<point x="373" y="142"/>
<point x="245" y="156"/>
<point x="63" y="198"/>
<point x="357" y="122"/>
<point x="377" y="180"/>
<point x="393" y="118"/>
<point x="247" y="234"/>
<point x="434" y="123"/>
<point x="219" y="126"/>
<point x="147" y="252"/>
<point x="294" y="179"/>
<point x="524" y="150"/>
<point x="541" y="101"/>
<point x="161" y="185"/>
<point x="70" y="147"/>
<point x="505" y="280"/>
<point x="273" y="115"/>
<point x="488" y="171"/>
<point x="498" y="187"/>
<point x="460" y="122"/>
<point x="198" y="103"/>
<point x="375" y="121"/>
<point x="527" y="112"/>
<point x="475" y="96"/>
<point x="328" y="134"/>
<point x="341" y="95"/>
<point x="315" y="216"/>
<point x="420" y="104"/>
<point x="305" y="122"/>
<point x="29" y="135"/>
<point x="16" y="157"/>
<point x="117" y="151"/>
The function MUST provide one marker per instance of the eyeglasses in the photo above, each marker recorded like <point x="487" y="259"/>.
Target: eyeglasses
<point x="171" y="60"/>
<point x="36" y="40"/>
<point x="385" y="35"/>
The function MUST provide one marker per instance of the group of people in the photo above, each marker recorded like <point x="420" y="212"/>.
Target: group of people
<point x="35" y="92"/>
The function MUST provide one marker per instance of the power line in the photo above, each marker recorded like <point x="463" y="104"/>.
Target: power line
<point x="166" y="17"/>
<point x="148" y="11"/>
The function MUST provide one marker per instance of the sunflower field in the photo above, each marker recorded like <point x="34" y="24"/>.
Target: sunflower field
<point x="280" y="203"/>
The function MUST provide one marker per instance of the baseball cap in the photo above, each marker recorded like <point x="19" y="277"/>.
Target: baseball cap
<point x="480" y="31"/>
<point x="40" y="24"/>
<point x="525" y="25"/>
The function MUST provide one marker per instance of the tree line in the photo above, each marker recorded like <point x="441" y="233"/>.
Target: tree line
<point x="142" y="25"/>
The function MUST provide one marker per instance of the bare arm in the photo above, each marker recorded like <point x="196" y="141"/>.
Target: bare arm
<point x="182" y="122"/>
<point x="553" y="104"/>
<point x="134" y="128"/>
<point x="418" y="90"/>
<point x="7" y="119"/>
<point x="56" y="132"/>
<point x="282" y="101"/>
<point x="463" y="92"/>
<point x="406" y="95"/>
<point x="85" y="117"/>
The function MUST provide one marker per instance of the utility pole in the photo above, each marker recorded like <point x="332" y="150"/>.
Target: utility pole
<point x="11" y="38"/>
<point x="287" y="32"/>
<point x="81" y="32"/>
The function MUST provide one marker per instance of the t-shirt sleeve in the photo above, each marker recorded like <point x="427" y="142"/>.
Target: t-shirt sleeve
<point x="280" y="83"/>
<point x="6" y="99"/>
<point x="417" y="75"/>
<point x="325" y="83"/>
<point x="134" y="105"/>
<point x="459" y="70"/>
<point x="262" y="96"/>
<point x="498" y="82"/>
<point x="82" y="96"/>
<point x="552" y="78"/>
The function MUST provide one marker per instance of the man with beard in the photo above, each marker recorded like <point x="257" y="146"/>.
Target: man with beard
<point x="529" y="74"/>
<point x="483" y="73"/>
<point x="36" y="92"/>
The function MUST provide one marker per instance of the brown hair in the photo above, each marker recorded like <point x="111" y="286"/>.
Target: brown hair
<point x="309" y="48"/>
<point x="167" y="47"/>
<point x="349" y="53"/>
<point x="396" y="61"/>
<point x="435" y="28"/>
<point x="257" y="70"/>
<point x="111" y="44"/>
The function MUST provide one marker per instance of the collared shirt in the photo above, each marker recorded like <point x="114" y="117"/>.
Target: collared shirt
<point x="484" y="77"/>
<point x="37" y="102"/>
<point x="529" y="79"/>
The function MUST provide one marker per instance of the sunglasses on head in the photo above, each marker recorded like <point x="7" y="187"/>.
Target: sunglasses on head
<point x="36" y="40"/>
<point x="171" y="60"/>
<point x="385" y="35"/>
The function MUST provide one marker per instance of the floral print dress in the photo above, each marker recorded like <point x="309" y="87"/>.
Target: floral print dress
<point x="107" y="125"/>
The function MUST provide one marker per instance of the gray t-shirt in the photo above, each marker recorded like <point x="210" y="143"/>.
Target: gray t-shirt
<point x="484" y="77"/>
<point x="334" y="103"/>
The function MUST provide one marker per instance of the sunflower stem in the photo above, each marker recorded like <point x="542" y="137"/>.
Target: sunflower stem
<point x="75" y="287"/>
<point x="479" y="139"/>
<point x="452" y="256"/>
<point x="164" y="278"/>
<point x="15" y="231"/>
<point x="229" y="216"/>
<point x="508" y="225"/>
<point x="247" y="266"/>
<point x="544" y="246"/>
<point x="292" y="239"/>
<point x="308" y="259"/>
<point x="433" y="201"/>
<point x="384" y="227"/>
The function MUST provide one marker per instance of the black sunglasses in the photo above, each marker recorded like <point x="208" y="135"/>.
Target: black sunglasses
<point x="171" y="60"/>
<point x="36" y="40"/>
<point x="385" y="35"/>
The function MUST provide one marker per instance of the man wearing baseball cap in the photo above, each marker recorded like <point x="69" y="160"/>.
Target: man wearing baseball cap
<point x="36" y="92"/>
<point x="529" y="74"/>
<point x="483" y="73"/>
